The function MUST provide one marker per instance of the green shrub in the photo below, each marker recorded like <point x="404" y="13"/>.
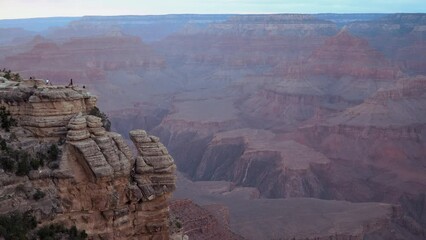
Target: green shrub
<point x="178" y="224"/>
<point x="24" y="167"/>
<point x="15" y="226"/>
<point x="39" y="195"/>
<point x="7" y="164"/>
<point x="21" y="162"/>
<point x="36" y="163"/>
<point x="8" y="75"/>
<point x="6" y="120"/>
<point x="105" y="121"/>
<point x="3" y="145"/>
<point x="56" y="231"/>
<point x="53" y="152"/>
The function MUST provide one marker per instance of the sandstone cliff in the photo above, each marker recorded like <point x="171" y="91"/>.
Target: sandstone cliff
<point x="96" y="183"/>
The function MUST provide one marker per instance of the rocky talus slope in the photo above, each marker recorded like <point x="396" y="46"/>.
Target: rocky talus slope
<point x="96" y="184"/>
<point x="203" y="223"/>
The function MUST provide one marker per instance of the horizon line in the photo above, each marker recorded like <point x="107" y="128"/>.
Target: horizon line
<point x="211" y="14"/>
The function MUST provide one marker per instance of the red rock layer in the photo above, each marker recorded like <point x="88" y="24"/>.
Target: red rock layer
<point x="344" y="55"/>
<point x="84" y="59"/>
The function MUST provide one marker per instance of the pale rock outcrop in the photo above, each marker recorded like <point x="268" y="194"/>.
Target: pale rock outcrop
<point x="43" y="109"/>
<point x="154" y="166"/>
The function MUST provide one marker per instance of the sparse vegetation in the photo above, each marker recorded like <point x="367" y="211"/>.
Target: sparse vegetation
<point x="6" y="119"/>
<point x="105" y="121"/>
<point x="53" y="152"/>
<point x="39" y="195"/>
<point x="20" y="226"/>
<point x="3" y="145"/>
<point x="21" y="162"/>
<point x="56" y="231"/>
<point x="178" y="224"/>
<point x="7" y="164"/>
<point x="175" y="223"/>
<point x="16" y="226"/>
<point x="24" y="166"/>
<point x="9" y="75"/>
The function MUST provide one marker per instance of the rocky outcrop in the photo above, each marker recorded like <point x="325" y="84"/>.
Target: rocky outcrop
<point x="153" y="166"/>
<point x="43" y="109"/>
<point x="200" y="223"/>
<point x="99" y="185"/>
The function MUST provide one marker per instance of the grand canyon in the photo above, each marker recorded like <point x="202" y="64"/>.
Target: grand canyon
<point x="275" y="126"/>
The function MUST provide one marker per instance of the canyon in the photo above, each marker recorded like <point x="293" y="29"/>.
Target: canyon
<point x="282" y="126"/>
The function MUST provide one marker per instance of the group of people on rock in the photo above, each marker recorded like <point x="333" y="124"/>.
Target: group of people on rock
<point x="48" y="82"/>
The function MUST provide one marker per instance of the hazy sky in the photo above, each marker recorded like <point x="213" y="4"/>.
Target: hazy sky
<point x="46" y="8"/>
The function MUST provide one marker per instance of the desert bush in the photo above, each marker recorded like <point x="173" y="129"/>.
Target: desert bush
<point x="56" y="231"/>
<point x="15" y="226"/>
<point x="38" y="195"/>
<point x="24" y="167"/>
<point x="8" y="74"/>
<point x="20" y="226"/>
<point x="53" y="152"/>
<point x="105" y="121"/>
<point x="7" y="164"/>
<point x="6" y="119"/>
<point x="3" y="145"/>
<point x="19" y="161"/>
<point x="36" y="163"/>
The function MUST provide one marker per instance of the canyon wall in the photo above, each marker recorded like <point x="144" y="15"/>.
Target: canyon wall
<point x="289" y="105"/>
<point x="97" y="185"/>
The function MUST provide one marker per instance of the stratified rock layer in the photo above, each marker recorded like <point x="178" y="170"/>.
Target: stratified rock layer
<point x="99" y="186"/>
<point x="43" y="109"/>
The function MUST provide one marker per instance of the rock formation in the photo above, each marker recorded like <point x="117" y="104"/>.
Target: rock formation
<point x="57" y="62"/>
<point x="43" y="109"/>
<point x="99" y="185"/>
<point x="199" y="223"/>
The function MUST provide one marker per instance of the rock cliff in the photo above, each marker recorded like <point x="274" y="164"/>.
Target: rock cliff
<point x="87" y="59"/>
<point x="96" y="183"/>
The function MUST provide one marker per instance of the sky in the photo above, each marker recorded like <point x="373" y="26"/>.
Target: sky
<point x="12" y="9"/>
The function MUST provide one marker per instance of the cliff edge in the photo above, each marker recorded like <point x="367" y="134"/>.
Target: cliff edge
<point x="61" y="165"/>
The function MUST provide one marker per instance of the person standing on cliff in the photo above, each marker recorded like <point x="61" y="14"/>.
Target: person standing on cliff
<point x="70" y="82"/>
